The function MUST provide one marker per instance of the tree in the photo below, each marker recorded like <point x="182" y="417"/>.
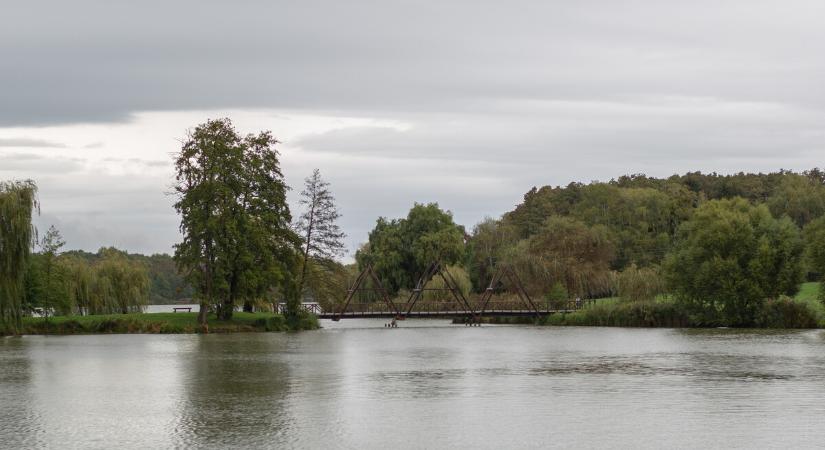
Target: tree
<point x="636" y="284"/>
<point x="731" y="257"/>
<point x="237" y="240"/>
<point x="123" y="284"/>
<point x="814" y="234"/>
<point x="800" y="197"/>
<point x="323" y="238"/>
<point x="489" y="241"/>
<point x="53" y="291"/>
<point x="400" y="250"/>
<point x="568" y="251"/>
<point x="18" y="201"/>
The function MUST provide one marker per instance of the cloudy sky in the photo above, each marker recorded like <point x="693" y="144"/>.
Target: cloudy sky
<point x="465" y="103"/>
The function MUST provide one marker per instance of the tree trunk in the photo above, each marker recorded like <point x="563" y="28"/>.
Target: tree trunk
<point x="227" y="308"/>
<point x="202" y="314"/>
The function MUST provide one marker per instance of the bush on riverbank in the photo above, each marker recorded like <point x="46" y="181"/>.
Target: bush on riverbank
<point x="164" y="323"/>
<point x="612" y="313"/>
<point x="786" y="312"/>
<point x="802" y="311"/>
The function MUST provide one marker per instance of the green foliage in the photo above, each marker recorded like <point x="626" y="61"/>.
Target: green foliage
<point x="566" y="251"/>
<point x="18" y="201"/>
<point x="731" y="257"/>
<point x="327" y="282"/>
<point x="799" y="197"/>
<point x="488" y="245"/>
<point x="166" y="284"/>
<point x="110" y="283"/>
<point x="322" y="239"/>
<point x="785" y="312"/>
<point x="237" y="240"/>
<point x="401" y="249"/>
<point x="635" y="284"/>
<point x="557" y="297"/>
<point x="121" y="285"/>
<point x="165" y="323"/>
<point x="612" y="313"/>
<point x="814" y="235"/>
<point x="455" y="274"/>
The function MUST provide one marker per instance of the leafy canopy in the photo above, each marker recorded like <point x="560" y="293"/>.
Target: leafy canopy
<point x="401" y="249"/>
<point x="731" y="257"/>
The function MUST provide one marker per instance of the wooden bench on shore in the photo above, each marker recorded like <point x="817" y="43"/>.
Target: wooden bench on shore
<point x="182" y="308"/>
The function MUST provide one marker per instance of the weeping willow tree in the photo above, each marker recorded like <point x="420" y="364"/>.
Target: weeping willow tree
<point x="120" y="285"/>
<point x="18" y="201"/>
<point x="457" y="275"/>
<point x="326" y="281"/>
<point x="564" y="251"/>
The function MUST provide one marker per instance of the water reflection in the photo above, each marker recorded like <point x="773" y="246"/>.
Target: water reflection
<point x="234" y="388"/>
<point x="20" y="424"/>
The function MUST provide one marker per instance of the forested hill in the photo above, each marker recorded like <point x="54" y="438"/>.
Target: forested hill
<point x="165" y="284"/>
<point x="584" y="235"/>
<point x="642" y="213"/>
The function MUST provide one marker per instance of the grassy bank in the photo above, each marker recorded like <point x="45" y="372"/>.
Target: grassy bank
<point x="168" y="323"/>
<point x="803" y="311"/>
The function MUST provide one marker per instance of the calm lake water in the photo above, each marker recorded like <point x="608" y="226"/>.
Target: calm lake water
<point x="428" y="384"/>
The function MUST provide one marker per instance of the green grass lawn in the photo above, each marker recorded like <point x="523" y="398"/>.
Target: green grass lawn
<point x="808" y="291"/>
<point x="164" y="323"/>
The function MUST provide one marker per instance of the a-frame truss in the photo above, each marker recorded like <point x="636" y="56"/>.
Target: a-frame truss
<point x="507" y="272"/>
<point x="450" y="284"/>
<point x="367" y="274"/>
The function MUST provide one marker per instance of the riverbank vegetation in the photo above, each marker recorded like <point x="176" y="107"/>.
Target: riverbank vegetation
<point x="239" y="249"/>
<point x="688" y="250"/>
<point x="164" y="323"/>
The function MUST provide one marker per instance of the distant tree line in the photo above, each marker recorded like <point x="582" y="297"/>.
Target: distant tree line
<point x="724" y="249"/>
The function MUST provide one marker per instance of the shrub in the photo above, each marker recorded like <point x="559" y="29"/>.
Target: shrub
<point x="784" y="312"/>
<point x="557" y="297"/>
<point x="624" y="314"/>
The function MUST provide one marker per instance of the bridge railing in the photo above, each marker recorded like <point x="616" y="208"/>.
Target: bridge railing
<point x="313" y="308"/>
<point x="436" y="307"/>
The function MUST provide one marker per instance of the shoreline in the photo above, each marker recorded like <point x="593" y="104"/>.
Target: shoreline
<point x="162" y="323"/>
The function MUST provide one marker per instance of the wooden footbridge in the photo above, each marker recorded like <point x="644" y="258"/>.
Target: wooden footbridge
<point x="457" y="305"/>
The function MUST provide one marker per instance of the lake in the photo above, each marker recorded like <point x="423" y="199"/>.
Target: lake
<point x="428" y="384"/>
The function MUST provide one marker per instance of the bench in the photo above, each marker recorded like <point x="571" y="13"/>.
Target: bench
<point x="182" y="308"/>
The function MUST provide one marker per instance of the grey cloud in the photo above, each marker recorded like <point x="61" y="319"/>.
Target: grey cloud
<point x="499" y="96"/>
<point x="30" y="165"/>
<point x="29" y="143"/>
<point x="87" y="61"/>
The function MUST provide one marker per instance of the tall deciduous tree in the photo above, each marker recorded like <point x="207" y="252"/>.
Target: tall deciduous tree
<point x="18" y="201"/>
<point x="318" y="226"/>
<point x="400" y="250"/>
<point x="235" y="221"/>
<point x="731" y="257"/>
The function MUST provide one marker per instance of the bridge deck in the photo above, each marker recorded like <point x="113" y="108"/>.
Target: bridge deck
<point x="438" y="314"/>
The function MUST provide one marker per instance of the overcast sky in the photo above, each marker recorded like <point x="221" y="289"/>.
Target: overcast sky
<point x="464" y="103"/>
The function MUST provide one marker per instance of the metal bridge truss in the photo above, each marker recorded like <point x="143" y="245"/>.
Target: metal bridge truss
<point x="367" y="274"/>
<point x="450" y="284"/>
<point x="503" y="276"/>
